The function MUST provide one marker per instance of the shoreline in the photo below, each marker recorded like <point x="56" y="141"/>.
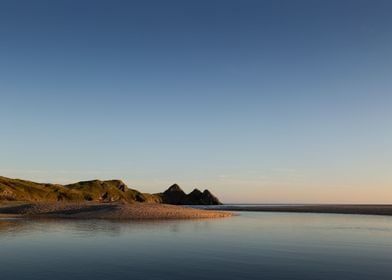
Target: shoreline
<point x="353" y="209"/>
<point x="109" y="211"/>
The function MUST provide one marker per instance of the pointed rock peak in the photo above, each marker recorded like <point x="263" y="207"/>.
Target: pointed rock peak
<point x="196" y="191"/>
<point x="210" y="199"/>
<point x="174" y="188"/>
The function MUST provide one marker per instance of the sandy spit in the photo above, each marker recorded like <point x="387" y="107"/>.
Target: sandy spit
<point x="121" y="211"/>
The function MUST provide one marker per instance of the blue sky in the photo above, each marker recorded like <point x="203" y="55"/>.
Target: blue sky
<point x="260" y="101"/>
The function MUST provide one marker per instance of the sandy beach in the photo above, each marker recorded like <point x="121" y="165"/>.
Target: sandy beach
<point x="123" y="211"/>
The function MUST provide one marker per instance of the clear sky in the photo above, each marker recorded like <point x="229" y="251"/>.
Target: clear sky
<point x="260" y="101"/>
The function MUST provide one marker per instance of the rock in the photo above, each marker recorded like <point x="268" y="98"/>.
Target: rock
<point x="209" y="199"/>
<point x="175" y="195"/>
<point x="194" y="198"/>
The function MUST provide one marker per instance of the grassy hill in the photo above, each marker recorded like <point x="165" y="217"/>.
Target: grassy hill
<point x="95" y="190"/>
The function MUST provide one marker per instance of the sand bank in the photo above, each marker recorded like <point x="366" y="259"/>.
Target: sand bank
<point x="122" y="211"/>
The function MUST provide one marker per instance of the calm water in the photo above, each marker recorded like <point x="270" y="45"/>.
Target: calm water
<point x="251" y="246"/>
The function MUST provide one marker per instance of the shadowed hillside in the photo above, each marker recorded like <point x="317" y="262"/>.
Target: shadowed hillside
<point x="97" y="191"/>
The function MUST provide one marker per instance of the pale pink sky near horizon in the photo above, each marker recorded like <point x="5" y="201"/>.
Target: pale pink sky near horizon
<point x="274" y="186"/>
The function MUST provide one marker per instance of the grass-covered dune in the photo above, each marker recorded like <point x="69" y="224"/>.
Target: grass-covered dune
<point x="95" y="190"/>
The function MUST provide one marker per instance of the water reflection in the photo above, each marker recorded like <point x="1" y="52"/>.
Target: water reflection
<point x="90" y="227"/>
<point x="251" y="246"/>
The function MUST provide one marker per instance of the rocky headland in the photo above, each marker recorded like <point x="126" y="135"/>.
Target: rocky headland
<point x="95" y="199"/>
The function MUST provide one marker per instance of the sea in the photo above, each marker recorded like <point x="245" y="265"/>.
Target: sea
<point x="252" y="245"/>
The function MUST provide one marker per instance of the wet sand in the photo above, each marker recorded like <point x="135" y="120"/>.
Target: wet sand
<point x="360" y="209"/>
<point x="121" y="211"/>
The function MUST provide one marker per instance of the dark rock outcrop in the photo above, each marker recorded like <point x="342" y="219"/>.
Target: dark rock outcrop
<point x="175" y="195"/>
<point x="209" y="199"/>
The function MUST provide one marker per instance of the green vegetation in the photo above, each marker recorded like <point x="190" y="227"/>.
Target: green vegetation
<point x="95" y="190"/>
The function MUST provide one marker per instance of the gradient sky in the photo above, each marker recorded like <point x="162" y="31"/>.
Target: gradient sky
<point x="260" y="101"/>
